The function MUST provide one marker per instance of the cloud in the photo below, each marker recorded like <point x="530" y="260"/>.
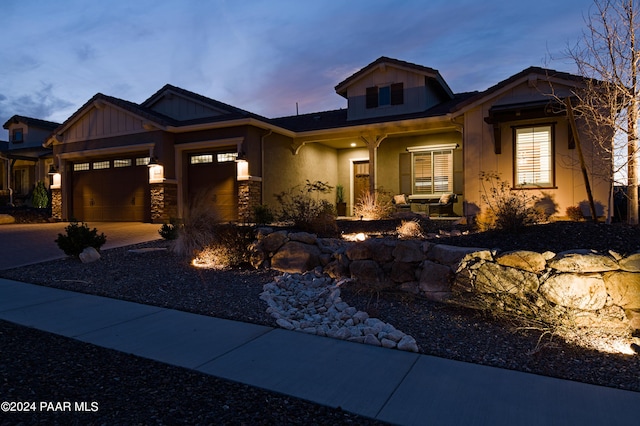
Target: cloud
<point x="43" y="104"/>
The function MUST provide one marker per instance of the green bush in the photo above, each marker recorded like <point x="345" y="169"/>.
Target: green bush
<point x="262" y="214"/>
<point x="40" y="196"/>
<point x="303" y="207"/>
<point x="507" y="209"/>
<point x="171" y="230"/>
<point x="78" y="237"/>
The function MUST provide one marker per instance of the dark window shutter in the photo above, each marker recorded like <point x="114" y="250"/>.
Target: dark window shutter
<point x="372" y="97"/>
<point x="397" y="94"/>
<point x="405" y="173"/>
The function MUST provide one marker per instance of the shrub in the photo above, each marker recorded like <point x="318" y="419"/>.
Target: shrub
<point x="40" y="196"/>
<point x="409" y="229"/>
<point x="307" y="212"/>
<point x="79" y="237"/>
<point x="507" y="209"/>
<point x="374" y="206"/>
<point x="228" y="247"/>
<point x="262" y="214"/>
<point x="171" y="230"/>
<point x="196" y="231"/>
<point x="574" y="213"/>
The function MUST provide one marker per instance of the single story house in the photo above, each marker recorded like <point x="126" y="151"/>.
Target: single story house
<point x="24" y="160"/>
<point x="403" y="131"/>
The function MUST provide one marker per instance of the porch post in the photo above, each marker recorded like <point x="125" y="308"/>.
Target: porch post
<point x="373" y="141"/>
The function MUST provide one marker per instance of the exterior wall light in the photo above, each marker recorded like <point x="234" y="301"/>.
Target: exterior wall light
<point x="156" y="171"/>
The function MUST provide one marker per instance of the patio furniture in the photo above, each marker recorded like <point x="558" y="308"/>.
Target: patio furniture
<point x="444" y="206"/>
<point x="401" y="203"/>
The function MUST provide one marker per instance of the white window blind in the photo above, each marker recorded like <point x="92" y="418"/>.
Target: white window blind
<point x="433" y="172"/>
<point x="534" y="156"/>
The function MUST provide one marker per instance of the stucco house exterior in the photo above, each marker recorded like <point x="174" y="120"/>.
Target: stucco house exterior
<point x="24" y="159"/>
<point x="403" y="131"/>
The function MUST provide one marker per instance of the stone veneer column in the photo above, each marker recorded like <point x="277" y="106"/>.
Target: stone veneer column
<point x="56" y="204"/>
<point x="249" y="197"/>
<point x="164" y="202"/>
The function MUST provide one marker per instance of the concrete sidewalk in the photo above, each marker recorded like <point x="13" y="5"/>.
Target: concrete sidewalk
<point x="385" y="384"/>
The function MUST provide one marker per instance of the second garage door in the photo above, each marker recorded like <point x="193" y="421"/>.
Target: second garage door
<point x="212" y="183"/>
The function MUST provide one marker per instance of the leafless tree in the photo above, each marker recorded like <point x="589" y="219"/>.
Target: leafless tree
<point x="607" y="55"/>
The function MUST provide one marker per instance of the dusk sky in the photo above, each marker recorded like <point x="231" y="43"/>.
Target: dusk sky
<point x="263" y="56"/>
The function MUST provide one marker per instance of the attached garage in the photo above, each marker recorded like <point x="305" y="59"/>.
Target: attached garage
<point x="111" y="190"/>
<point x="212" y="182"/>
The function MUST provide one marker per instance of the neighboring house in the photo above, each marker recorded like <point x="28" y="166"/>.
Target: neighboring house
<point x="404" y="131"/>
<point x="25" y="160"/>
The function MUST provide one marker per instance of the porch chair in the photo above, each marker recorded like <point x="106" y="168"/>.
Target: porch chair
<point x="444" y="206"/>
<point x="401" y="203"/>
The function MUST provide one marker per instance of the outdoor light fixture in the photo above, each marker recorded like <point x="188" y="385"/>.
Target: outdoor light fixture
<point x="153" y="161"/>
<point x="53" y="169"/>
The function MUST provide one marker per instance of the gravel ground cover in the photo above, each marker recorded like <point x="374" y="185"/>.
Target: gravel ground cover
<point x="131" y="390"/>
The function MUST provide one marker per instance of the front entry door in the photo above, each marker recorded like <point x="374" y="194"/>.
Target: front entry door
<point x="360" y="179"/>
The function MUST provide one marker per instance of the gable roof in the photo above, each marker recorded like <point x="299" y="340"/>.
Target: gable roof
<point x="431" y="73"/>
<point x="338" y="118"/>
<point x="230" y="111"/>
<point x="549" y="74"/>
<point x="30" y="121"/>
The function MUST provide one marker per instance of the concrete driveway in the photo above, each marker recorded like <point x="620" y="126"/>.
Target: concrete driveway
<point x="25" y="244"/>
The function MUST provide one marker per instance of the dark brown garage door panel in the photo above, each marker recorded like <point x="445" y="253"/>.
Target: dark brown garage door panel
<point x="119" y="194"/>
<point x="215" y="184"/>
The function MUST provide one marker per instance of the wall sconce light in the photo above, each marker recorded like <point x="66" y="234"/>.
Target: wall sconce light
<point x="53" y="169"/>
<point x="153" y="161"/>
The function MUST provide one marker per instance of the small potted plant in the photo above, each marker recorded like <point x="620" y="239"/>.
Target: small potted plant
<point x="341" y="204"/>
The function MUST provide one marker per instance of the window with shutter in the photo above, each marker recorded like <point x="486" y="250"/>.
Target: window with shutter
<point x="533" y="156"/>
<point x="385" y="95"/>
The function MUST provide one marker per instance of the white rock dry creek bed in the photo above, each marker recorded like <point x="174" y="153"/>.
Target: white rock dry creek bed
<point x="311" y="303"/>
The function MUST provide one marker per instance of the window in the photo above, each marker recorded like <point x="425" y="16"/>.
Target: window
<point x="122" y="163"/>
<point x="227" y="157"/>
<point x="392" y="94"/>
<point x="142" y="161"/>
<point x="201" y="159"/>
<point x="433" y="172"/>
<point x="101" y="165"/>
<point x="533" y="156"/>
<point x="17" y="136"/>
<point x="78" y="167"/>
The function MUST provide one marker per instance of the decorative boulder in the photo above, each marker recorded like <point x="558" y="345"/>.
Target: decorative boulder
<point x="89" y="255"/>
<point x="583" y="261"/>
<point x="296" y="257"/>
<point x="272" y="242"/>
<point x="579" y="291"/>
<point x="407" y="251"/>
<point x="623" y="288"/>
<point x="529" y="261"/>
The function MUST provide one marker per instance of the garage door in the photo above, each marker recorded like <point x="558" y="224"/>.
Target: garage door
<point x="111" y="191"/>
<point x="212" y="183"/>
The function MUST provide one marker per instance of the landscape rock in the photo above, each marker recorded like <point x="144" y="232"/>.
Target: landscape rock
<point x="295" y="256"/>
<point x="272" y="242"/>
<point x="582" y="261"/>
<point x="623" y="288"/>
<point x="529" y="261"/>
<point x="435" y="277"/>
<point x="407" y="251"/>
<point x="494" y="278"/>
<point x="579" y="291"/>
<point x="311" y="303"/>
<point x="630" y="263"/>
<point x="89" y="255"/>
